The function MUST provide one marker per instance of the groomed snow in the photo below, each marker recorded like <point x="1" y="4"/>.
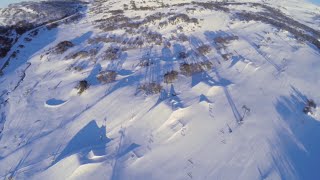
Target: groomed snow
<point x="191" y="130"/>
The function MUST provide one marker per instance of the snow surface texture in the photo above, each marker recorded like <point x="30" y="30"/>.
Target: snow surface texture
<point x="164" y="90"/>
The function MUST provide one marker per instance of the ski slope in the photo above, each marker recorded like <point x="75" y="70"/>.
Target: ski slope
<point x="234" y="110"/>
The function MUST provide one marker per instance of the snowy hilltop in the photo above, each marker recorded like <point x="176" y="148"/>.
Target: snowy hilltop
<point x="159" y="89"/>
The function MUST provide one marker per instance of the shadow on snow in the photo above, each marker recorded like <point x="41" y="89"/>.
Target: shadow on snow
<point x="300" y="139"/>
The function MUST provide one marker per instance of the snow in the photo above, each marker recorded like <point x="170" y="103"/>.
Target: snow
<point x="241" y="119"/>
<point x="54" y="103"/>
<point x="5" y="3"/>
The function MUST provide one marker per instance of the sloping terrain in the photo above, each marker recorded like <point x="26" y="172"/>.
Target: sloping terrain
<point x="19" y="18"/>
<point x="163" y="90"/>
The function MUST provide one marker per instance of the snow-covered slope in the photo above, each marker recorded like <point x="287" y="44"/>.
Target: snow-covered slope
<point x="19" y="18"/>
<point x="164" y="90"/>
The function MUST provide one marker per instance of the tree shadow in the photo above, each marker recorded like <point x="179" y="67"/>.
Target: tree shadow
<point x="125" y="82"/>
<point x="153" y="69"/>
<point x="82" y="38"/>
<point x="116" y="65"/>
<point x="210" y="81"/>
<point x="235" y="60"/>
<point x="195" y="42"/>
<point x="92" y="78"/>
<point x="127" y="150"/>
<point x="300" y="139"/>
<point x="167" y="54"/>
<point x="178" y="48"/>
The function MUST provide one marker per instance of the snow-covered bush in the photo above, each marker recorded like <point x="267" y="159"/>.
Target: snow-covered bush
<point x="116" y="12"/>
<point x="153" y="37"/>
<point x="5" y="45"/>
<point x="182" y="18"/>
<point x="227" y="56"/>
<point x="154" y="17"/>
<point x="125" y="6"/>
<point x="225" y="40"/>
<point x="170" y="76"/>
<point x="163" y="24"/>
<point x="63" y="47"/>
<point x="204" y="49"/>
<point x="52" y="25"/>
<point x="151" y="88"/>
<point x="82" y="86"/>
<point x="310" y="105"/>
<point x="190" y="69"/>
<point x="182" y="55"/>
<point x="80" y="54"/>
<point x="112" y="53"/>
<point x="145" y="63"/>
<point x="107" y="76"/>
<point x="109" y="39"/>
<point x="183" y="37"/>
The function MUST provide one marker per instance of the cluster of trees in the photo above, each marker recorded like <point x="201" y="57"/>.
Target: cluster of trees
<point x="204" y="49"/>
<point x="182" y="18"/>
<point x="271" y="16"/>
<point x="62" y="47"/>
<point x="82" y="86"/>
<point x="112" y="53"/>
<point x="132" y="26"/>
<point x="141" y="8"/>
<point x="127" y="42"/>
<point x="170" y="76"/>
<point x="80" y="54"/>
<point x="310" y="104"/>
<point x="298" y="33"/>
<point x="189" y="69"/>
<point x="222" y="40"/>
<point x="10" y="34"/>
<point x="46" y="11"/>
<point x="107" y="76"/>
<point x="278" y="15"/>
<point x="19" y="18"/>
<point x="5" y="45"/>
<point x="219" y="6"/>
<point x="151" y="88"/>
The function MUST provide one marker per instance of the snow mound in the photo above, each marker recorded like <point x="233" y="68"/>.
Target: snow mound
<point x="55" y="103"/>
<point x="180" y="90"/>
